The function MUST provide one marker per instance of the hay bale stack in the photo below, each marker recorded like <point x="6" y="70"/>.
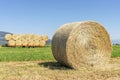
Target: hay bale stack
<point x="82" y="44"/>
<point x="31" y="40"/>
<point x="8" y="37"/>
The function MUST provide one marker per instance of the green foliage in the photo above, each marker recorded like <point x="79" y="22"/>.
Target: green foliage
<point x="116" y="51"/>
<point x="25" y="54"/>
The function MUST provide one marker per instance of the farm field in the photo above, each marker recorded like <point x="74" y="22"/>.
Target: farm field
<point x="25" y="54"/>
<point x="35" y="54"/>
<point x="44" y="67"/>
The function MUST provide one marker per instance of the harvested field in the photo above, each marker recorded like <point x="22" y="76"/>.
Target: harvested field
<point x="51" y="70"/>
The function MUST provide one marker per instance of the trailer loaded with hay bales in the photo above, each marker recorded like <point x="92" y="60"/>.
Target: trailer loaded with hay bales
<point x="26" y="40"/>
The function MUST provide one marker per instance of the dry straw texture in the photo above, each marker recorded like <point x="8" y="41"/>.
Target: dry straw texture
<point x="15" y="36"/>
<point x="42" y="43"/>
<point x="18" y="42"/>
<point x="25" y="43"/>
<point x="8" y="36"/>
<point x="82" y="44"/>
<point x="36" y="43"/>
<point x="11" y="43"/>
<point x="31" y="43"/>
<point x="29" y="40"/>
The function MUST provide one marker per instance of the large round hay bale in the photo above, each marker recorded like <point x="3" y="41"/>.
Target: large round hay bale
<point x="82" y="44"/>
<point x="8" y="36"/>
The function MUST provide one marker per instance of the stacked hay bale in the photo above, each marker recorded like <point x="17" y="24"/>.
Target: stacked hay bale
<point x="8" y="36"/>
<point x="27" y="40"/>
<point x="82" y="44"/>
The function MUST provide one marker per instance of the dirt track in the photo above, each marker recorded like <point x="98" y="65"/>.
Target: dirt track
<point x="51" y="70"/>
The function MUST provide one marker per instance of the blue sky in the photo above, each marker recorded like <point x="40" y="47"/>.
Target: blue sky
<point x="46" y="16"/>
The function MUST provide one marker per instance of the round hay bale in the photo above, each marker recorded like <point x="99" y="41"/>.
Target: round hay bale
<point x="31" y="43"/>
<point x="18" y="43"/>
<point x="42" y="43"/>
<point x="11" y="43"/>
<point x="46" y="38"/>
<point x="27" y="36"/>
<point x="40" y="37"/>
<point x="22" y="36"/>
<point x="15" y="36"/>
<point x="8" y="36"/>
<point x="36" y="37"/>
<point x="19" y="37"/>
<point x="33" y="36"/>
<point x="36" y="43"/>
<point x="25" y="43"/>
<point x="43" y="37"/>
<point x="82" y="44"/>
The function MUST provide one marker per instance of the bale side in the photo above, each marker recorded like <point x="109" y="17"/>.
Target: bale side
<point x="18" y="43"/>
<point x="11" y="43"/>
<point x="82" y="44"/>
<point x="15" y="36"/>
<point x="59" y="42"/>
<point x="42" y="43"/>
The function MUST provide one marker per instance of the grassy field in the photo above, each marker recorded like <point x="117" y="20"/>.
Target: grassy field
<point x="39" y="64"/>
<point x="35" y="54"/>
<point x="25" y="54"/>
<point x="116" y="51"/>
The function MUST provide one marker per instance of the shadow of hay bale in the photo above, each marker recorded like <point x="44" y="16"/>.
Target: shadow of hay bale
<point x="54" y="66"/>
